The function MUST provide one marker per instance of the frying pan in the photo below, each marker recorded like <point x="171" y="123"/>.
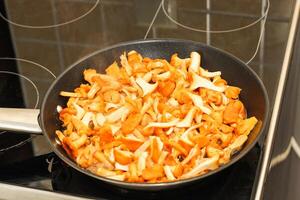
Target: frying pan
<point x="233" y="70"/>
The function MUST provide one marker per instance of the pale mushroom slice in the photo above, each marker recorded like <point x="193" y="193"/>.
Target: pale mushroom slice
<point x="121" y="167"/>
<point x="109" y="106"/>
<point x="120" y="177"/>
<point x="170" y="131"/>
<point x="79" y="111"/>
<point x="173" y="102"/>
<point x="142" y="148"/>
<point x="162" y="157"/>
<point x="147" y="77"/>
<point x="163" y="124"/>
<point x="105" y="172"/>
<point x="147" y="105"/>
<point x="117" y="114"/>
<point x="225" y="100"/>
<point x="102" y="158"/>
<point x="94" y="89"/>
<point x="115" y="128"/>
<point x="136" y="86"/>
<point x="87" y="118"/>
<point x="141" y="163"/>
<point x="163" y="76"/>
<point x="208" y="74"/>
<point x="155" y="105"/>
<point x="206" y="164"/>
<point x="237" y="144"/>
<point x="190" y="129"/>
<point x="187" y="121"/>
<point x="198" y="81"/>
<point x="169" y="173"/>
<point x="100" y="119"/>
<point x="193" y="152"/>
<point x="197" y="100"/>
<point x="125" y="64"/>
<point x="146" y="87"/>
<point x="195" y="62"/>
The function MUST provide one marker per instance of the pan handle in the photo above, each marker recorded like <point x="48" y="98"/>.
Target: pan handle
<point x="20" y="120"/>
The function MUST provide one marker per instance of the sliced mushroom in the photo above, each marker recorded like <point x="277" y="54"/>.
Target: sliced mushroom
<point x="169" y="173"/>
<point x="117" y="177"/>
<point x="79" y="111"/>
<point x="162" y="157"/>
<point x="197" y="100"/>
<point x="162" y="124"/>
<point x="146" y="87"/>
<point x="142" y="148"/>
<point x="187" y="121"/>
<point x="115" y="128"/>
<point x="195" y="62"/>
<point x="173" y="102"/>
<point x="163" y="76"/>
<point x="209" y="74"/>
<point x="204" y="165"/>
<point x="100" y="119"/>
<point x="125" y="64"/>
<point x="94" y="89"/>
<point x="117" y="114"/>
<point x="87" y="118"/>
<point x="109" y="106"/>
<point x="193" y="152"/>
<point x="141" y="163"/>
<point x="147" y="77"/>
<point x="198" y="81"/>
<point x="121" y="167"/>
<point x="238" y="143"/>
<point x="147" y="105"/>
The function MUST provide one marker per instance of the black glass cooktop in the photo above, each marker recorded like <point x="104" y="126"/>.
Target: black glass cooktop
<point x="39" y="39"/>
<point x="233" y="183"/>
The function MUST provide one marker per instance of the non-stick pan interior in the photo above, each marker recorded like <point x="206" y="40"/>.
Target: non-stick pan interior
<point x="233" y="70"/>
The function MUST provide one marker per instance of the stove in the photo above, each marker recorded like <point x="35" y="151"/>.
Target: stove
<point x="39" y="39"/>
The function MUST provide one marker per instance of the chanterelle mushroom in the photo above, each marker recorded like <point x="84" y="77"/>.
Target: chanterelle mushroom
<point x="198" y="81"/>
<point x="146" y="87"/>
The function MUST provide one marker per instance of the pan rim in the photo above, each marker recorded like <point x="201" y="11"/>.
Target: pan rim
<point x="158" y="186"/>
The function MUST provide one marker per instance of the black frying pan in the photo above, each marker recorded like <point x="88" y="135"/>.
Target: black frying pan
<point x="233" y="70"/>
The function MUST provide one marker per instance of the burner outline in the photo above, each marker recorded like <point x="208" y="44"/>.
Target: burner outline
<point x="264" y="16"/>
<point x="262" y="19"/>
<point x="37" y="93"/>
<point x="54" y="25"/>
